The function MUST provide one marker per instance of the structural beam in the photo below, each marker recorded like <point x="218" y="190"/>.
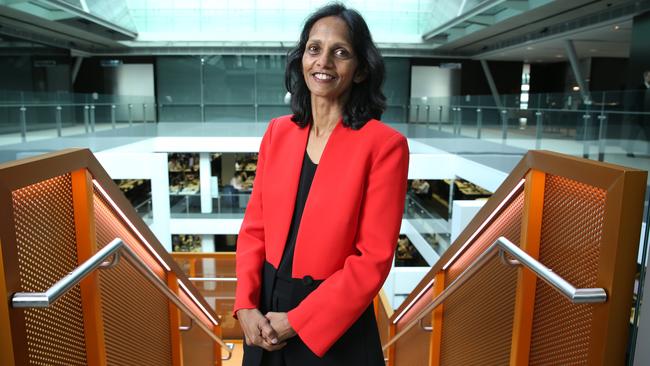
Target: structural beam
<point x="493" y="86"/>
<point x="575" y="67"/>
<point x="75" y="68"/>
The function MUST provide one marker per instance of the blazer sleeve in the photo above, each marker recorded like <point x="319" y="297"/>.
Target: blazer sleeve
<point x="323" y="316"/>
<point x="250" y="242"/>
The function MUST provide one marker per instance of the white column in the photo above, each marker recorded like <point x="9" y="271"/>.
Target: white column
<point x="209" y="268"/>
<point x="205" y="172"/>
<point x="160" y="200"/>
<point x="464" y="212"/>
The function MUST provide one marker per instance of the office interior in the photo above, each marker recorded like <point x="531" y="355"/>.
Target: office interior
<point x="172" y="98"/>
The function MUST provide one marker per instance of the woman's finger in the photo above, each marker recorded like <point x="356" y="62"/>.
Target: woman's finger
<point x="268" y="333"/>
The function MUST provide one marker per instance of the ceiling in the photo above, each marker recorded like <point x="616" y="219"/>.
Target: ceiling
<point x="516" y="30"/>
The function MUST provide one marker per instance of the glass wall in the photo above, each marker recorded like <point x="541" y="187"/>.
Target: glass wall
<point x="243" y="88"/>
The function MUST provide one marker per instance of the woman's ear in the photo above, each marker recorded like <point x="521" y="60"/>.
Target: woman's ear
<point x="360" y="75"/>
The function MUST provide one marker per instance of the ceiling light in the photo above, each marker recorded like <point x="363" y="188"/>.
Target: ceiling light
<point x="576" y="88"/>
<point x="559" y="56"/>
<point x="593" y="50"/>
<point x="529" y="48"/>
<point x="616" y="27"/>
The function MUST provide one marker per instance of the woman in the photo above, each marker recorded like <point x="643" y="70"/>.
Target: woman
<point x="320" y="230"/>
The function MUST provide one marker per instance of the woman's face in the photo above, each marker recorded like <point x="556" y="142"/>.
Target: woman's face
<point x="329" y="64"/>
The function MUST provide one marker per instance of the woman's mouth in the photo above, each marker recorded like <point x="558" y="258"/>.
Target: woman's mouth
<point x="321" y="76"/>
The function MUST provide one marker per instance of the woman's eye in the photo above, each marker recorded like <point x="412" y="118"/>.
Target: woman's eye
<point x="312" y="49"/>
<point x="342" y="52"/>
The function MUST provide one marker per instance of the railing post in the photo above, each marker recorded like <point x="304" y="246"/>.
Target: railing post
<point x="459" y="120"/>
<point x="585" y="135"/>
<point x="84" y="223"/>
<point x="479" y="122"/>
<point x="92" y="118"/>
<point x="428" y="109"/>
<point x="452" y="183"/>
<point x="531" y="231"/>
<point x="144" y="113"/>
<point x="602" y="135"/>
<point x="417" y="113"/>
<point x="408" y="113"/>
<point x="59" y="125"/>
<point x="392" y="330"/>
<point x="113" y="116"/>
<point x="175" y="323"/>
<point x="436" y="321"/>
<point x="504" y="126"/>
<point x="23" y="124"/>
<point x="538" y="130"/>
<point x="440" y="118"/>
<point x="86" y="118"/>
<point x="130" y="115"/>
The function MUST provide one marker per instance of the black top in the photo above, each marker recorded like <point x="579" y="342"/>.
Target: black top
<point x="306" y="177"/>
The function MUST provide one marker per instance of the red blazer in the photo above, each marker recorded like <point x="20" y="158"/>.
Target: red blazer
<point x="349" y="226"/>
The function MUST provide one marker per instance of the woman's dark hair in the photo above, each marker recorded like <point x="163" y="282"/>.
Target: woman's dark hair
<point x="366" y="100"/>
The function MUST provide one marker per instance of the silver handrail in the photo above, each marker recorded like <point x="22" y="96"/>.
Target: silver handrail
<point x="99" y="260"/>
<point x="500" y="246"/>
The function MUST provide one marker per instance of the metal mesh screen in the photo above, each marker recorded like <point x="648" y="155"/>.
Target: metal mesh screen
<point x="570" y="243"/>
<point x="47" y="252"/>
<point x="136" y="314"/>
<point x="481" y="312"/>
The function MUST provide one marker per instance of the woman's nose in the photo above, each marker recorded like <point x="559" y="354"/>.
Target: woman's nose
<point x="324" y="59"/>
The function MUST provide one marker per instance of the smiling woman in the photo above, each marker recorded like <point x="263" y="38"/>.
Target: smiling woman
<point x="351" y="46"/>
<point x="320" y="230"/>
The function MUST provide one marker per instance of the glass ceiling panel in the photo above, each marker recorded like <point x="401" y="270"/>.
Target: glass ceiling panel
<point x="111" y="12"/>
<point x="443" y="11"/>
<point x="114" y="11"/>
<point x="390" y="21"/>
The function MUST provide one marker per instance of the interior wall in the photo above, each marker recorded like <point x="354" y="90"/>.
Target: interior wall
<point x="434" y="81"/>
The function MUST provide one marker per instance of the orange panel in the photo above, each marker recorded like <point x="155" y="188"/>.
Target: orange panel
<point x="6" y="343"/>
<point x="478" y="317"/>
<point x="136" y="313"/>
<point x="175" y="323"/>
<point x="531" y="228"/>
<point x="391" y="349"/>
<point x="436" y="321"/>
<point x="82" y="199"/>
<point x="45" y="229"/>
<point x="570" y="244"/>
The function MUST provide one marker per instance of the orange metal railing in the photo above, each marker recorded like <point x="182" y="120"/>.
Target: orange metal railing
<point x="578" y="217"/>
<point x="59" y="209"/>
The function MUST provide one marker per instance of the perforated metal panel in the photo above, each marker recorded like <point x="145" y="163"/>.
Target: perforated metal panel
<point x="481" y="312"/>
<point x="46" y="246"/>
<point x="136" y="314"/>
<point x="570" y="243"/>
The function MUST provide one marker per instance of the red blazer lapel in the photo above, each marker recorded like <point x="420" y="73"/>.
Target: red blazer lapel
<point x="281" y="185"/>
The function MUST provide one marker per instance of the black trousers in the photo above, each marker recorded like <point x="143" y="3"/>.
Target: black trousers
<point x="358" y="346"/>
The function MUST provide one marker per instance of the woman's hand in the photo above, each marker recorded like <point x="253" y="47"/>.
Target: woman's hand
<point x="280" y="323"/>
<point x="258" y="330"/>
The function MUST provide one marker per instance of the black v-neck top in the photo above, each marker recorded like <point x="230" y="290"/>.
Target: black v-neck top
<point x="306" y="177"/>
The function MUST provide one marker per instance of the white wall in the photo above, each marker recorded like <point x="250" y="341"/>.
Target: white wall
<point x="135" y="79"/>
<point x="433" y="81"/>
<point x="464" y="211"/>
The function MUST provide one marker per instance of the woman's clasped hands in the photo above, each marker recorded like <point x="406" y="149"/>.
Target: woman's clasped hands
<point x="269" y="331"/>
